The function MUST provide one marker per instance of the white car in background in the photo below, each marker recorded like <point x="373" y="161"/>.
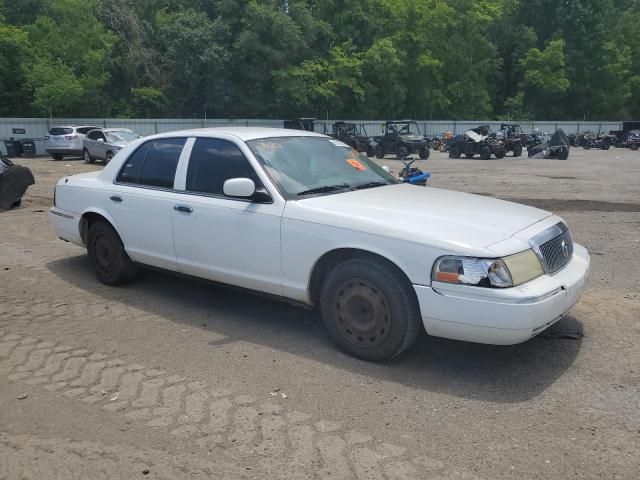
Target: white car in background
<point x="297" y="215"/>
<point x="66" y="140"/>
<point x="104" y="143"/>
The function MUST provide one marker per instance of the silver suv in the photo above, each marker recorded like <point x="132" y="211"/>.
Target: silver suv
<point x="104" y="143"/>
<point x="66" y="140"/>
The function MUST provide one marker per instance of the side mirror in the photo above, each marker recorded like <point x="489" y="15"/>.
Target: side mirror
<point x="239" y="187"/>
<point x="100" y="140"/>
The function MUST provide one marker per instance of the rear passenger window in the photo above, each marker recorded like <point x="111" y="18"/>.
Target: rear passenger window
<point x="130" y="171"/>
<point x="212" y="162"/>
<point x="159" y="168"/>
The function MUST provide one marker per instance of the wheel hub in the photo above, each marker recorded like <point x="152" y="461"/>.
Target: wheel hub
<point x="363" y="314"/>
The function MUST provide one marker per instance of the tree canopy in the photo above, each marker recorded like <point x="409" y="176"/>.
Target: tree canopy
<point x="426" y="59"/>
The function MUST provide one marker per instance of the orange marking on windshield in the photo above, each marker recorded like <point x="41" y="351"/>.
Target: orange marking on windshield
<point x="356" y="164"/>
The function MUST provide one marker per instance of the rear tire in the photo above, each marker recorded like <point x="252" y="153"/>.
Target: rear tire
<point x="500" y="153"/>
<point x="455" y="151"/>
<point x="403" y="152"/>
<point x="369" y="309"/>
<point x="379" y="151"/>
<point x="634" y="146"/>
<point x="517" y="149"/>
<point x="485" y="153"/>
<point x="110" y="262"/>
<point x="424" y="153"/>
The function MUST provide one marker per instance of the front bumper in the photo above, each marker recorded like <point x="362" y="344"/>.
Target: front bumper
<point x="503" y="316"/>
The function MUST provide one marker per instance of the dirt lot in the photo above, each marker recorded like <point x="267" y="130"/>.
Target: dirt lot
<point x="172" y="378"/>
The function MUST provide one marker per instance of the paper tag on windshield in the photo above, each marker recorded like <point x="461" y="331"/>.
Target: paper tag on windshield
<point x="338" y="143"/>
<point x="356" y="164"/>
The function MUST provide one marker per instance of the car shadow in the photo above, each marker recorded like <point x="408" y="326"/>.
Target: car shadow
<point x="504" y="374"/>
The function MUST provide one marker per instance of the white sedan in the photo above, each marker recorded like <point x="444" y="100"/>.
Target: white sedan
<point x="303" y="217"/>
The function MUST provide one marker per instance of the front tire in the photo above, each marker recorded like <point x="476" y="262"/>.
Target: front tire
<point x="106" y="252"/>
<point x="403" y="152"/>
<point x="86" y="156"/>
<point x="424" y="153"/>
<point x="485" y="153"/>
<point x="517" y="149"/>
<point x="379" y="151"/>
<point x="369" y="309"/>
<point x="455" y="151"/>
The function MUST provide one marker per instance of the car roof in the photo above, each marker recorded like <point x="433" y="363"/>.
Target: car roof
<point x="243" y="133"/>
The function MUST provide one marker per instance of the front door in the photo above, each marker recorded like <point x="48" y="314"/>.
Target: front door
<point x="229" y="240"/>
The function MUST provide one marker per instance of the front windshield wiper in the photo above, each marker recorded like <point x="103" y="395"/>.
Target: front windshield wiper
<point x="325" y="188"/>
<point x="375" y="183"/>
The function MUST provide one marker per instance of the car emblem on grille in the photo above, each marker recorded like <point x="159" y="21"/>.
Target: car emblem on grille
<point x="565" y="249"/>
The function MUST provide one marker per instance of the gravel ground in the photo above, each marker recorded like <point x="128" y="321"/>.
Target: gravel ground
<point x="173" y="378"/>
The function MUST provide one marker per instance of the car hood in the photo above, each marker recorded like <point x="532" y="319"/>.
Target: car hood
<point x="449" y="220"/>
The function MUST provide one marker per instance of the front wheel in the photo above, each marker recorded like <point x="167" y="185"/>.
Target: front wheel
<point x="87" y="156"/>
<point x="424" y="153"/>
<point x="108" y="258"/>
<point x="485" y="153"/>
<point x="517" y="149"/>
<point x="369" y="309"/>
<point x="455" y="151"/>
<point x="379" y="151"/>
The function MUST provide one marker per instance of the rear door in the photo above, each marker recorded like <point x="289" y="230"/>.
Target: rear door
<point x="92" y="145"/>
<point x="142" y="201"/>
<point x="229" y="240"/>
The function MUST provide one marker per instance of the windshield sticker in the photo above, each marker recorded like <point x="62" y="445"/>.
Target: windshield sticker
<point x="356" y="164"/>
<point x="338" y="143"/>
<point x="269" y="146"/>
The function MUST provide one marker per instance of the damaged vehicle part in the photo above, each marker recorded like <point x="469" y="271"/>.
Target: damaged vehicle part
<point x="558" y="147"/>
<point x="14" y="181"/>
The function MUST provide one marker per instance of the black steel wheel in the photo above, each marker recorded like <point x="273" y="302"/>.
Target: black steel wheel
<point x="403" y="152"/>
<point x="108" y="257"/>
<point x="424" y="153"/>
<point x="369" y="309"/>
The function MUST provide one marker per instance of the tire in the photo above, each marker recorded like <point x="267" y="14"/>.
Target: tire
<point x="586" y="145"/>
<point x="454" y="151"/>
<point x="379" y="151"/>
<point x="605" y="145"/>
<point x="564" y="154"/>
<point x="86" y="156"/>
<point x="369" y="309"/>
<point x="370" y="151"/>
<point x="424" y="153"/>
<point x="108" y="157"/>
<point x="469" y="155"/>
<point x="106" y="252"/>
<point x="485" y="153"/>
<point x="500" y="153"/>
<point x="634" y="146"/>
<point x="57" y="156"/>
<point x="403" y="152"/>
<point x="517" y="149"/>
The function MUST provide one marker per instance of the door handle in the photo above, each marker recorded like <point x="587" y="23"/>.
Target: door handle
<point x="183" y="208"/>
<point x="115" y="198"/>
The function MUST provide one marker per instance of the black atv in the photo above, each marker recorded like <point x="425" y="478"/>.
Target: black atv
<point x="477" y="141"/>
<point x="401" y="138"/>
<point x="355" y="136"/>
<point x="513" y="138"/>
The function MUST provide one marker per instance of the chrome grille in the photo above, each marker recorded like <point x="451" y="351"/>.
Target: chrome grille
<point x="554" y="247"/>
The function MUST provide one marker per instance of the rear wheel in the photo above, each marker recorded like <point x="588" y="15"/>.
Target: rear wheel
<point x="605" y="145"/>
<point x="485" y="153"/>
<point x="379" y="151"/>
<point x="403" y="152"/>
<point x="87" y="156"/>
<point x="500" y="153"/>
<point x="517" y="149"/>
<point x="108" y="258"/>
<point x="369" y="310"/>
<point x="634" y="146"/>
<point x="424" y="153"/>
<point x="455" y="151"/>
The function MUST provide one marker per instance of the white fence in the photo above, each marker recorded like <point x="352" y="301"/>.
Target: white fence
<point x="37" y="128"/>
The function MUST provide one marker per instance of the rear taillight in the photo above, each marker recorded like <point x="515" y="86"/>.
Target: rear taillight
<point x="71" y="137"/>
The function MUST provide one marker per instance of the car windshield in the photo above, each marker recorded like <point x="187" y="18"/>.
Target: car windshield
<point x="407" y="128"/>
<point x="302" y="166"/>
<point x="122" y="136"/>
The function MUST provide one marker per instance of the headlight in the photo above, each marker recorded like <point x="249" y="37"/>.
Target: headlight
<point x="501" y="272"/>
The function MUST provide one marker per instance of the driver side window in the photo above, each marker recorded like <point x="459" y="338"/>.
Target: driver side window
<point x="214" y="161"/>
